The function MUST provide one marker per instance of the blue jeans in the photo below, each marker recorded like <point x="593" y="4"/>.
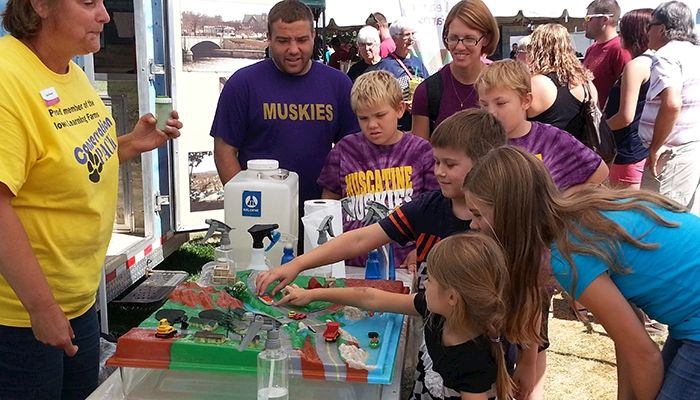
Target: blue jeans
<point x="682" y="370"/>
<point x="31" y="370"/>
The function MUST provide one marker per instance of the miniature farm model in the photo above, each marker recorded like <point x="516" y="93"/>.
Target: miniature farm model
<point x="223" y="328"/>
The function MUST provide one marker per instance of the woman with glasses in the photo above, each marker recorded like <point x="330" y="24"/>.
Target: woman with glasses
<point x="470" y="31"/>
<point x="368" y="49"/>
<point x="559" y="80"/>
<point x="406" y="67"/>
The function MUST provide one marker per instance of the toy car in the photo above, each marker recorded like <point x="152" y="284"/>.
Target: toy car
<point x="373" y="339"/>
<point x="165" y="330"/>
<point x="267" y="300"/>
<point x="332" y="331"/>
<point x="296" y="315"/>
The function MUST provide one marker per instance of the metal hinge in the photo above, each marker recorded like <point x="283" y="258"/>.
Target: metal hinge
<point x="155" y="69"/>
<point x="162" y="200"/>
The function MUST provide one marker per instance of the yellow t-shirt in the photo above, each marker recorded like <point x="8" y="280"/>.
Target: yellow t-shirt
<point x="58" y="155"/>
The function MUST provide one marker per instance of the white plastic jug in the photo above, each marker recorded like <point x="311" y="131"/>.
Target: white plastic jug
<point x="262" y="194"/>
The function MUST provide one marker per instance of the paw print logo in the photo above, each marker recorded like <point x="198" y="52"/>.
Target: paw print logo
<point x="94" y="166"/>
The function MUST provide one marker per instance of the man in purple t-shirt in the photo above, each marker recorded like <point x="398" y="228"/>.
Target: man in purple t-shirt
<point x="605" y="58"/>
<point x="286" y="108"/>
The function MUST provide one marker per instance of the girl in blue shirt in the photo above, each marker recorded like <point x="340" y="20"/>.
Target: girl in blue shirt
<point x="608" y="249"/>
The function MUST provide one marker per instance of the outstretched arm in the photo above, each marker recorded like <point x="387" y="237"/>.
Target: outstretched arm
<point x="348" y="245"/>
<point x="362" y="297"/>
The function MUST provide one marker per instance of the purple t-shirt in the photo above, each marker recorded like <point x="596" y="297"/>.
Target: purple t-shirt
<point x="569" y="161"/>
<point x="266" y="113"/>
<point x="391" y="175"/>
<point x="455" y="96"/>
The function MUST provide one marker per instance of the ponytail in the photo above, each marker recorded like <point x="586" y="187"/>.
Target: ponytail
<point x="504" y="384"/>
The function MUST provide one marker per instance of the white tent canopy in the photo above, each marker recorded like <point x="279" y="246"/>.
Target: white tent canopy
<point x="350" y="13"/>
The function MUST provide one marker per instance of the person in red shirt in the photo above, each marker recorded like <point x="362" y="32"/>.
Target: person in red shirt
<point x="605" y="58"/>
<point x="340" y="53"/>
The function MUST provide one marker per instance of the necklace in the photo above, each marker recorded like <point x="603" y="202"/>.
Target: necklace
<point x="470" y="96"/>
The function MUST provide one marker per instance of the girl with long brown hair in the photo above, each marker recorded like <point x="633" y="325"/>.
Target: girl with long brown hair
<point x="607" y="248"/>
<point x="464" y="307"/>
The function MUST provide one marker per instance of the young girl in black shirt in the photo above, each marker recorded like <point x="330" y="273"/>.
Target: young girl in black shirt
<point x="464" y="308"/>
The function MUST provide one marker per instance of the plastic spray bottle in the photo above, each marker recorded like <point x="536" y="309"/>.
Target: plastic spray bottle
<point x="273" y="364"/>
<point x="259" y="232"/>
<point x="223" y="254"/>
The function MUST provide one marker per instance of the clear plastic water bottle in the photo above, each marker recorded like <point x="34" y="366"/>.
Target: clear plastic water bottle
<point x="273" y="365"/>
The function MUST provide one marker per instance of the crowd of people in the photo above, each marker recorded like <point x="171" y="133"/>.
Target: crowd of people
<point x="496" y="201"/>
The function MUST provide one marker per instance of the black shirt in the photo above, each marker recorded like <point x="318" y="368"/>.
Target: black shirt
<point x="467" y="367"/>
<point x="425" y="220"/>
<point x="630" y="149"/>
<point x="565" y="112"/>
<point x="357" y="69"/>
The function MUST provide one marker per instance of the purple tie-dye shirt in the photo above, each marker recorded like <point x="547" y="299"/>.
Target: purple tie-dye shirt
<point x="569" y="161"/>
<point x="391" y="175"/>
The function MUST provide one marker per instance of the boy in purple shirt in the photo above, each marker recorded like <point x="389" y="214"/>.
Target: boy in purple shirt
<point x="504" y="90"/>
<point x="381" y="163"/>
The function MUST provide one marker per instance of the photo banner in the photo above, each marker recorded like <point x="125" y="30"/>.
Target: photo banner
<point x="430" y="16"/>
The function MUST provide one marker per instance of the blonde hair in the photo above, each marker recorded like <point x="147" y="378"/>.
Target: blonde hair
<point x="519" y="188"/>
<point x="375" y="88"/>
<point x="476" y="15"/>
<point x="552" y="51"/>
<point x="508" y="74"/>
<point x="473" y="265"/>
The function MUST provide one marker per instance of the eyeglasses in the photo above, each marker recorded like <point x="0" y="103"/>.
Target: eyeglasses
<point x="589" y="17"/>
<point x="453" y="40"/>
<point x="407" y="35"/>
<point x="366" y="44"/>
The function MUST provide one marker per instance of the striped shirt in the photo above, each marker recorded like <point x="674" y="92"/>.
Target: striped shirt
<point x="425" y="220"/>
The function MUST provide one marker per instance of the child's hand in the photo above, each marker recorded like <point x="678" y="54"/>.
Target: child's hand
<point x="410" y="262"/>
<point x="295" y="296"/>
<point x="284" y="275"/>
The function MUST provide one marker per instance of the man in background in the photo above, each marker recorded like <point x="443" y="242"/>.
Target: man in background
<point x="379" y="22"/>
<point x="605" y="58"/>
<point x="286" y="108"/>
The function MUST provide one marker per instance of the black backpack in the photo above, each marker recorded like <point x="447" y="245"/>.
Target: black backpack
<point x="434" y="87"/>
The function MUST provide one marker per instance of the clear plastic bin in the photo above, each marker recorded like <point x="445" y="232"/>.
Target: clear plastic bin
<point x="139" y="383"/>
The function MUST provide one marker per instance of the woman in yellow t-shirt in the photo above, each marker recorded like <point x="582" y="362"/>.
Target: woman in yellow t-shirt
<point x="59" y="161"/>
